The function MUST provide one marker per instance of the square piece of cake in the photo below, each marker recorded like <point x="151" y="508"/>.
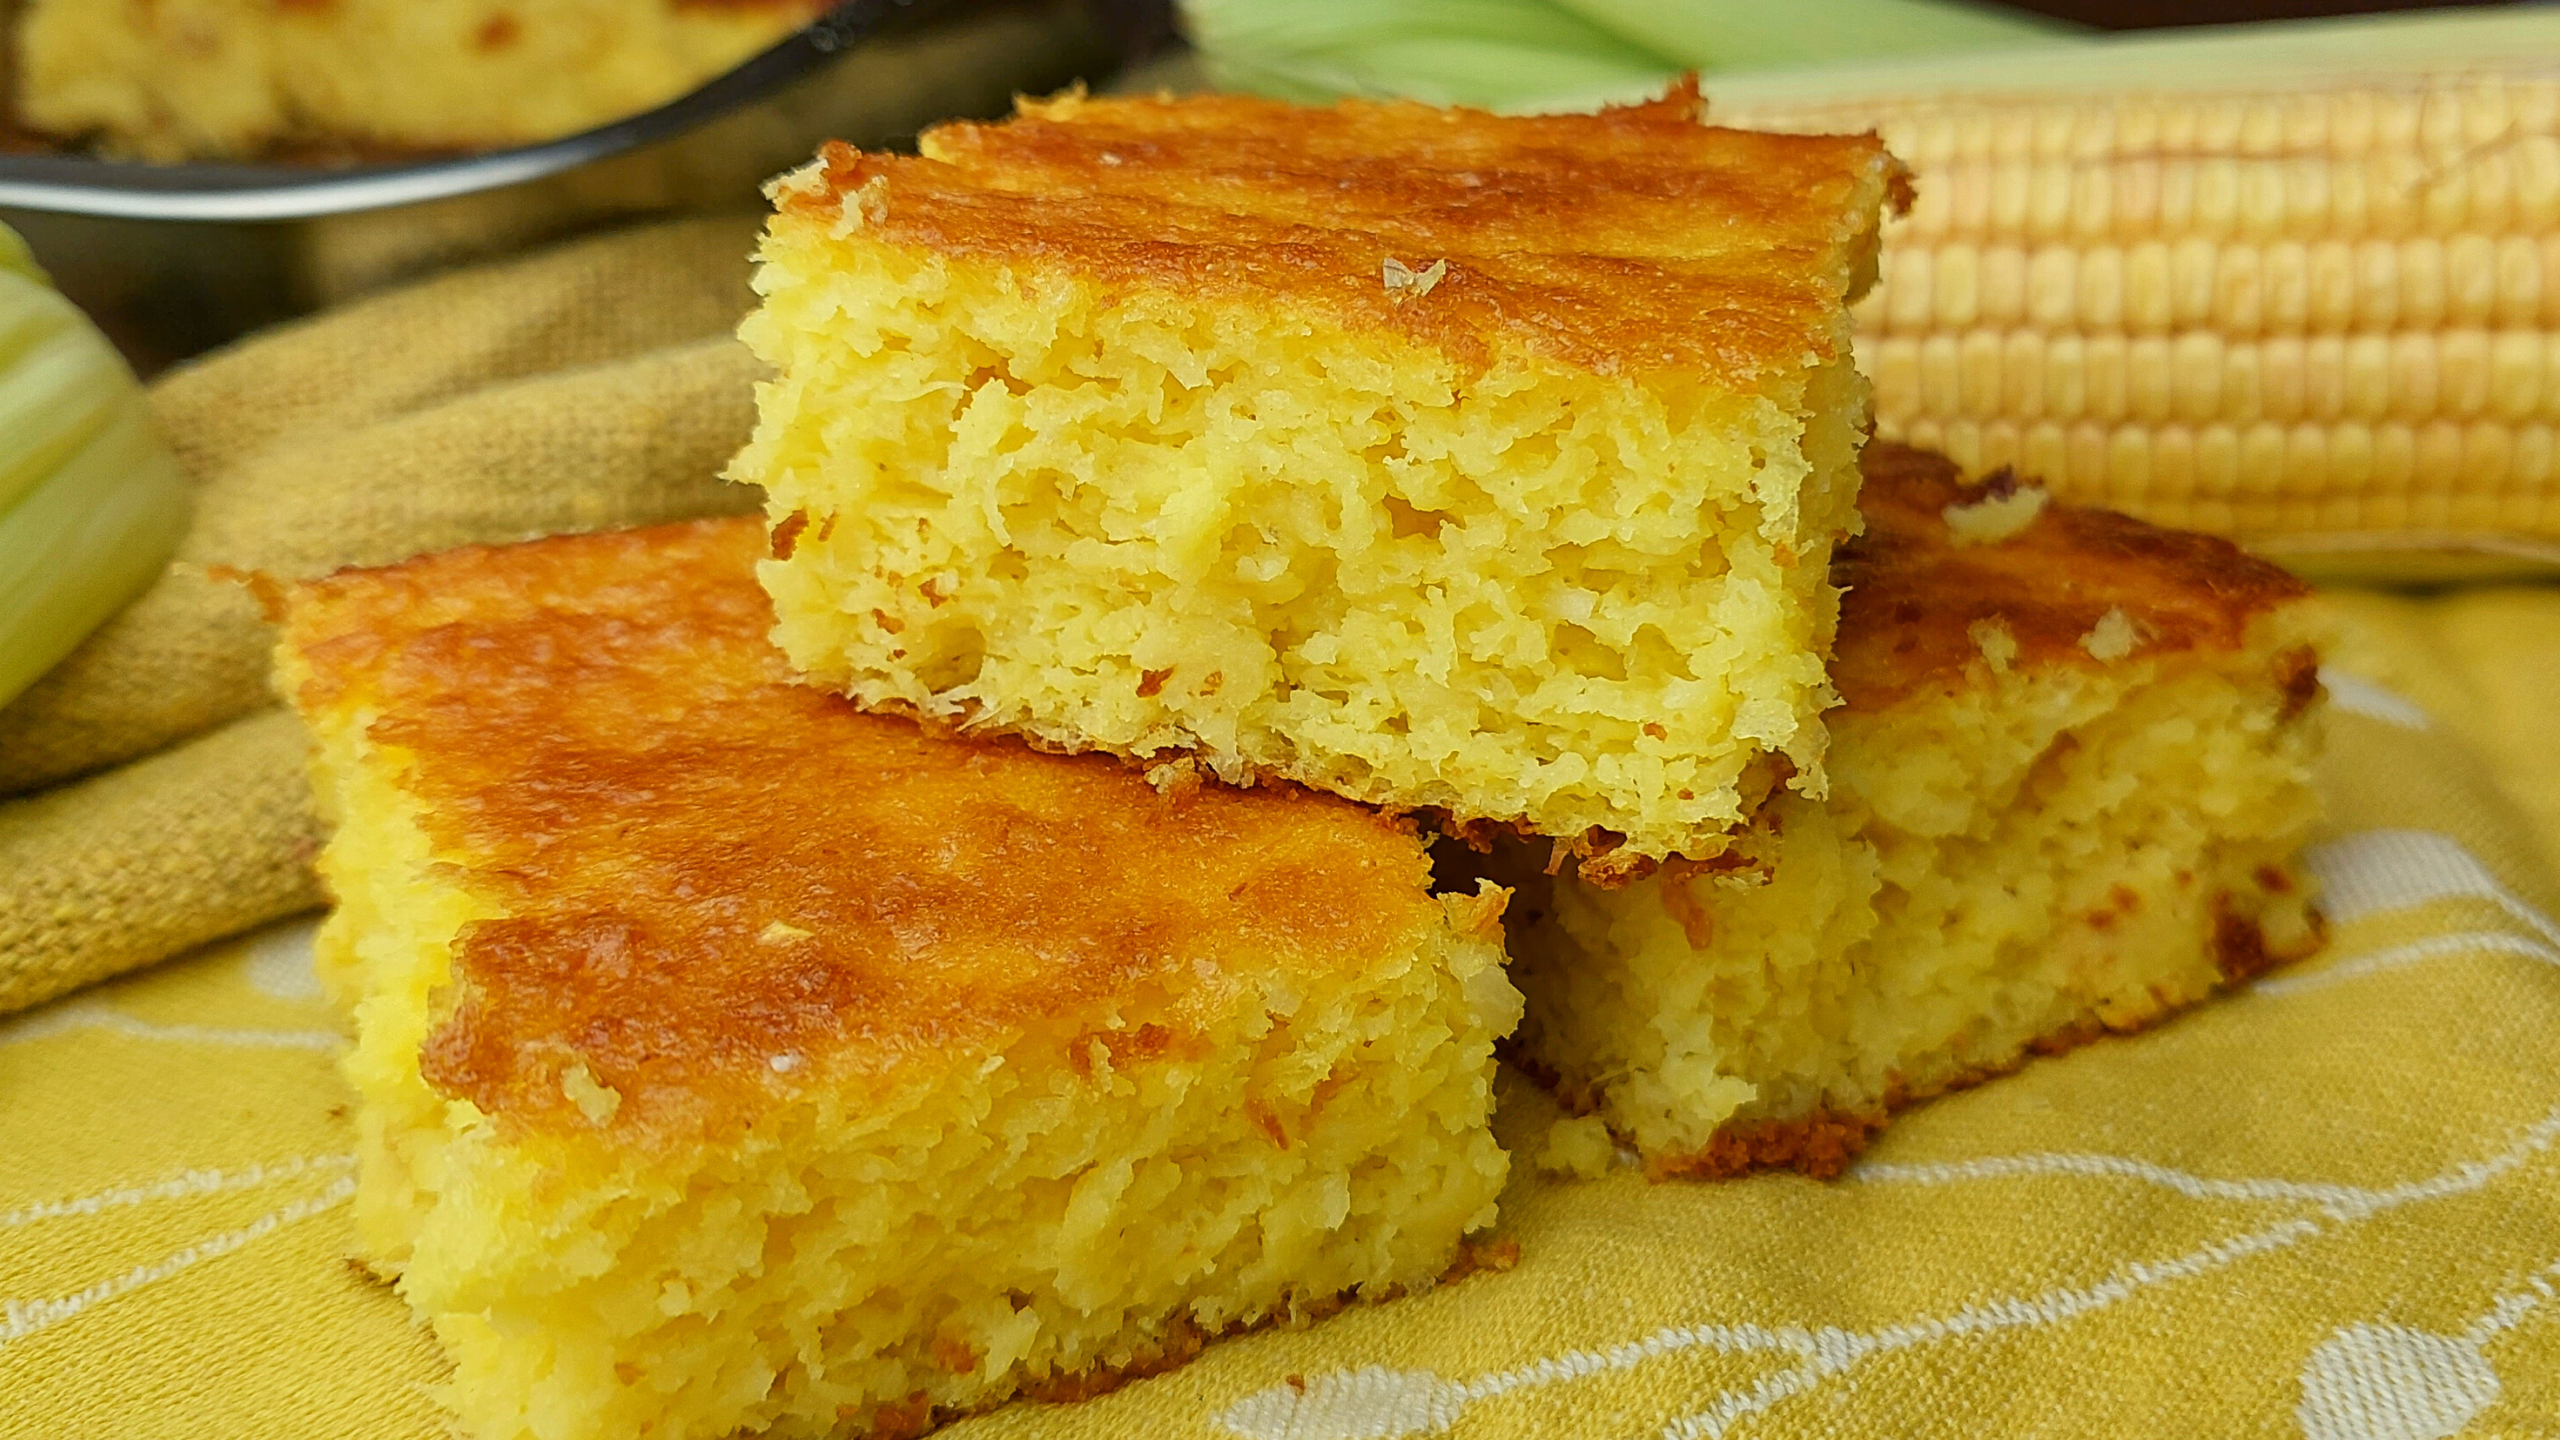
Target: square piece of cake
<point x="1484" y="466"/>
<point x="731" y="1060"/>
<point x="2069" y="778"/>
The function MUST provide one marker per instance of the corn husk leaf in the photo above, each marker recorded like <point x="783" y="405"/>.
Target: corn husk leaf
<point x="1722" y="36"/>
<point x="91" y="502"/>
<point x="1557" y="54"/>
<point x="1526" y="55"/>
<point x="1446" y="52"/>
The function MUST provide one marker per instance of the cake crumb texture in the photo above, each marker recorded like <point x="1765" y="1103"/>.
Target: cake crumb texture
<point x="734" y="1060"/>
<point x="1482" y="465"/>
<point x="2038" y="832"/>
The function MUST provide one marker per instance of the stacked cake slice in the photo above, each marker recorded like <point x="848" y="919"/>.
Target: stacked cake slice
<point x="1482" y="466"/>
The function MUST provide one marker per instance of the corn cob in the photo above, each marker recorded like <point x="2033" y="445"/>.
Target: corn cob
<point x="2307" y="317"/>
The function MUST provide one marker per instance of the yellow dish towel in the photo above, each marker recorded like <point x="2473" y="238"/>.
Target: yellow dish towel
<point x="2325" y="1207"/>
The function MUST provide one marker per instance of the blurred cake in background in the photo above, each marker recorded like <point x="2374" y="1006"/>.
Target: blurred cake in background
<point x="247" y="79"/>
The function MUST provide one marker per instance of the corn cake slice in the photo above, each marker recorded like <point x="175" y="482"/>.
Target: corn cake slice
<point x="733" y="1060"/>
<point x="1484" y="466"/>
<point x="236" y="79"/>
<point x="2069" y="776"/>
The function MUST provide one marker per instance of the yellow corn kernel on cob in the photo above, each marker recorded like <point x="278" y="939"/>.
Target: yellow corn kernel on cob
<point x="2323" y="318"/>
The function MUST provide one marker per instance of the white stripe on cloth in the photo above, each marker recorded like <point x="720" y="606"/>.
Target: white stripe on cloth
<point x="67" y="1016"/>
<point x="2378" y="870"/>
<point x="2337" y="1201"/>
<point x="2400" y="957"/>
<point x="2358" y="696"/>
<point x="180" y="1186"/>
<point x="22" y="1318"/>
<point x="1374" y="1403"/>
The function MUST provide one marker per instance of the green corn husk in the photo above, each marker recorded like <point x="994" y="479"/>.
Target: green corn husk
<point x="1545" y="54"/>
<point x="1718" y="36"/>
<point x="1446" y="52"/>
<point x="91" y="503"/>
<point x="1526" y="55"/>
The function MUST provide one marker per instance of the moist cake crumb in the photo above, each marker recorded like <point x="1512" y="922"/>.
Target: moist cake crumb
<point x="2039" y="832"/>
<point x="1485" y="466"/>
<point x="731" y="1059"/>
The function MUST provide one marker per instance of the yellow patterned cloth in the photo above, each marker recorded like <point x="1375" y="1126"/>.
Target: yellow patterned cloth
<point x="2325" y="1207"/>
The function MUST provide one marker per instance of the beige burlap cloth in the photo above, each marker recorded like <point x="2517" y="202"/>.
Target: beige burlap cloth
<point x="151" y="795"/>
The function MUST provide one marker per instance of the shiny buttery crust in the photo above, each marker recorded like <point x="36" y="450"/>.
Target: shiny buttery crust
<point x="1634" y="239"/>
<point x="707" y="1026"/>
<point x="1912" y="594"/>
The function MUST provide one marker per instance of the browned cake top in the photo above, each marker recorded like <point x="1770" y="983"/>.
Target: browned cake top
<point x="701" y="867"/>
<point x="1914" y="593"/>
<point x="1635" y="239"/>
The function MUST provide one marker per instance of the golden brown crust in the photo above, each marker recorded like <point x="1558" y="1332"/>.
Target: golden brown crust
<point x="1820" y="1145"/>
<point x="2240" y="948"/>
<point x="917" y="1415"/>
<point x="700" y="867"/>
<point x="1633" y="240"/>
<point x="1914" y="594"/>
